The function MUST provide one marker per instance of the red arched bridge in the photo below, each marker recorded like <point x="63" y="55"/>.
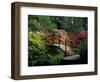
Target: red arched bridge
<point x="59" y="38"/>
<point x="65" y="46"/>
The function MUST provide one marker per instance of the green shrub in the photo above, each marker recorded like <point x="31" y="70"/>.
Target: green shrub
<point x="36" y="48"/>
<point x="55" y="55"/>
<point x="81" y="49"/>
<point x="38" y="54"/>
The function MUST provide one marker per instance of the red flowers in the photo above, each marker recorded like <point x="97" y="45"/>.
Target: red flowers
<point x="77" y="37"/>
<point x="83" y="35"/>
<point x="74" y="39"/>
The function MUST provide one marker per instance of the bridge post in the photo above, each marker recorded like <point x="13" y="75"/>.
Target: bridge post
<point x="59" y="39"/>
<point x="65" y="45"/>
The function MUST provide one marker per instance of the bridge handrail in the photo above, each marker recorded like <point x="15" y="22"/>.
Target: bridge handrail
<point x="59" y="38"/>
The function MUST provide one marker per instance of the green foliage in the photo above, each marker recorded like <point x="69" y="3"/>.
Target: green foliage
<point x="38" y="54"/>
<point x="35" y="39"/>
<point x="37" y="23"/>
<point x="47" y="23"/>
<point x="69" y="24"/>
<point x="33" y="24"/>
<point x="36" y="48"/>
<point x="55" y="55"/>
<point x="79" y="49"/>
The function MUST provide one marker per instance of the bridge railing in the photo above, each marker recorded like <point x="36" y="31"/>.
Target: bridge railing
<point x="50" y="40"/>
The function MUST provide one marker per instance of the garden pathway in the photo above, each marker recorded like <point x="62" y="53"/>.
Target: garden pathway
<point x="71" y="55"/>
<point x="68" y="50"/>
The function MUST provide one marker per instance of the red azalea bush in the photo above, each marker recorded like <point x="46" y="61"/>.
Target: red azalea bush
<point x="83" y="35"/>
<point x="76" y="38"/>
<point x="79" y="44"/>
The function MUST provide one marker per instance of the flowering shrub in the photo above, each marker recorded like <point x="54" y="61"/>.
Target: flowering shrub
<point x="79" y="44"/>
<point x="76" y="38"/>
<point x="83" y="35"/>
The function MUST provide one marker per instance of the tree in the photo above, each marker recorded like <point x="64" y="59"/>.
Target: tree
<point x="71" y="24"/>
<point x="37" y="23"/>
